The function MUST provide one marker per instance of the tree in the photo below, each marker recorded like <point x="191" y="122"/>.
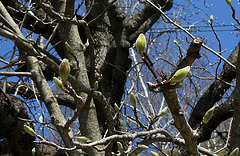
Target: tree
<point x="91" y="111"/>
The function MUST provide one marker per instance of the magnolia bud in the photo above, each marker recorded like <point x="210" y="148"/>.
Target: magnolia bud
<point x="58" y="83"/>
<point x="120" y="147"/>
<point x="83" y="139"/>
<point x="33" y="151"/>
<point x="229" y="2"/>
<point x="180" y="75"/>
<point x="154" y="153"/>
<point x="95" y="86"/>
<point x="30" y="13"/>
<point x="68" y="47"/>
<point x="234" y="152"/>
<point x="30" y="130"/>
<point x="64" y="70"/>
<point x="142" y="147"/>
<point x="141" y="44"/>
<point x="211" y="18"/>
<point x="176" y="42"/>
<point x="163" y="112"/>
<point x="208" y="115"/>
<point x="116" y="107"/>
<point x="133" y="100"/>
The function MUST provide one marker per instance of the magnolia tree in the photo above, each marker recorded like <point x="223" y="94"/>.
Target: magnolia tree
<point x="94" y="78"/>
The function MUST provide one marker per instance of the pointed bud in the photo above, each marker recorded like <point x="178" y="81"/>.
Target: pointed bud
<point x="83" y="139"/>
<point x="116" y="107"/>
<point x="141" y="44"/>
<point x="180" y="75"/>
<point x="229" y="2"/>
<point x="176" y="42"/>
<point x="154" y="153"/>
<point x="68" y="47"/>
<point x="95" y="86"/>
<point x="234" y="152"/>
<point x="211" y="18"/>
<point x="58" y="83"/>
<point x="33" y="151"/>
<point x="30" y="130"/>
<point x="133" y="100"/>
<point x="120" y="147"/>
<point x="163" y="112"/>
<point x="41" y="119"/>
<point x="30" y="13"/>
<point x="142" y="147"/>
<point x="64" y="70"/>
<point x="208" y="115"/>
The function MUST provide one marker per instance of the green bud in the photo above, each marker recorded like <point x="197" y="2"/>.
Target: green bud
<point x="176" y="42"/>
<point x="95" y="86"/>
<point x="30" y="130"/>
<point x="141" y="44"/>
<point x="58" y="83"/>
<point x="133" y="100"/>
<point x="163" y="112"/>
<point x="33" y="151"/>
<point x="229" y="2"/>
<point x="30" y="13"/>
<point x="234" y="152"/>
<point x="68" y="47"/>
<point x="179" y="76"/>
<point x="83" y="139"/>
<point x="142" y="147"/>
<point x="154" y="153"/>
<point x="120" y="147"/>
<point x="116" y="107"/>
<point x="211" y="18"/>
<point x="208" y="115"/>
<point x="64" y="70"/>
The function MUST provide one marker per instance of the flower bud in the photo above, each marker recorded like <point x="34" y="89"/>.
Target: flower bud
<point x="95" y="86"/>
<point x="234" y="152"/>
<point x="163" y="112"/>
<point x="58" y="83"/>
<point x="83" y="139"/>
<point x="133" y="100"/>
<point x="33" y="151"/>
<point x="208" y="115"/>
<point x="179" y="76"/>
<point x="141" y="44"/>
<point x="211" y="18"/>
<point x="30" y="130"/>
<point x="154" y="153"/>
<point x="142" y="147"/>
<point x="176" y="42"/>
<point x="229" y="2"/>
<point x="64" y="70"/>
<point x="120" y="147"/>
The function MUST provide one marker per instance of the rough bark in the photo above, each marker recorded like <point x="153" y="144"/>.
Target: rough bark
<point x="215" y="91"/>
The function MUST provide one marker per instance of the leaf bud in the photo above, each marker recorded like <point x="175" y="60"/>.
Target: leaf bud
<point x="58" y="83"/>
<point x="234" y="152"/>
<point x="120" y="147"/>
<point x="179" y="76"/>
<point x="163" y="112"/>
<point x="229" y="2"/>
<point x="176" y="42"/>
<point x="33" y="151"/>
<point x="154" y="153"/>
<point x="211" y="18"/>
<point x="141" y="44"/>
<point x="208" y="115"/>
<point x="30" y="130"/>
<point x="64" y="70"/>
<point x="95" y="86"/>
<point x="83" y="139"/>
<point x="116" y="107"/>
<point x="133" y="100"/>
